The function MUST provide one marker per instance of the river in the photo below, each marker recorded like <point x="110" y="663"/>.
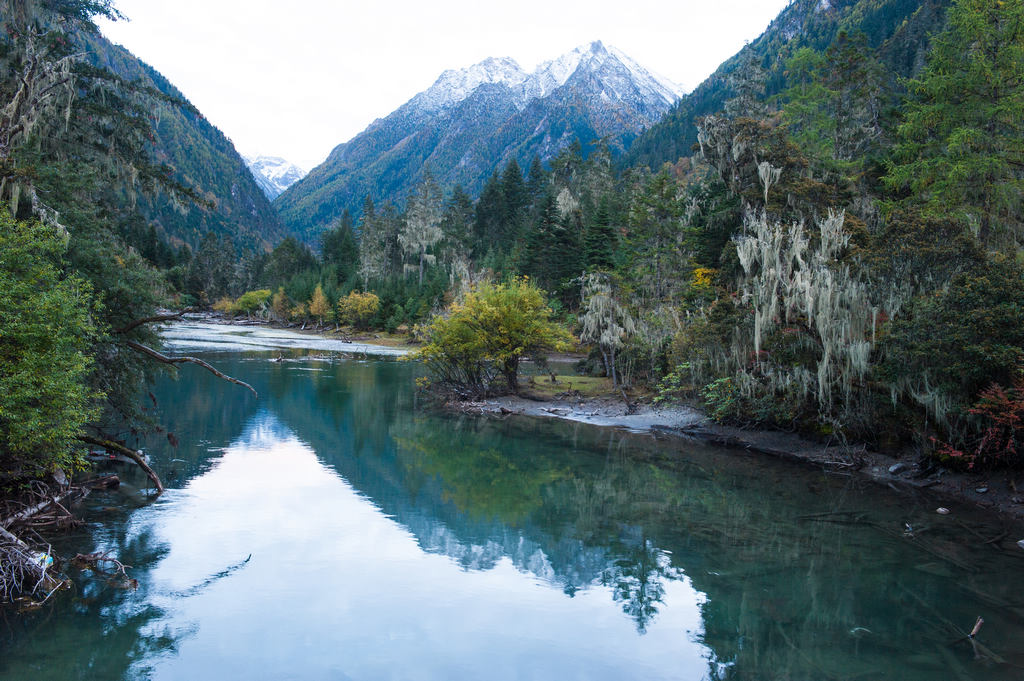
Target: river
<point x="336" y="528"/>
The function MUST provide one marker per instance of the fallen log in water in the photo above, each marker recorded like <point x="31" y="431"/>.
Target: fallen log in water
<point x="131" y="454"/>
<point x="28" y="512"/>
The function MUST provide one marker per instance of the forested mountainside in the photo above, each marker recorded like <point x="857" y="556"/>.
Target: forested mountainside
<point x="898" y="32"/>
<point x="474" y="121"/>
<point x="199" y="157"/>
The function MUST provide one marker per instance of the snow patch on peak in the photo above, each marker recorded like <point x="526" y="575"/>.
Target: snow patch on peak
<point x="455" y="85"/>
<point x="273" y="174"/>
<point x="618" y="74"/>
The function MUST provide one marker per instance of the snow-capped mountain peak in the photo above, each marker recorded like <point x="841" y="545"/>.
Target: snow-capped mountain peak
<point x="670" y="90"/>
<point x="273" y="174"/>
<point x="455" y="85"/>
<point x="598" y="58"/>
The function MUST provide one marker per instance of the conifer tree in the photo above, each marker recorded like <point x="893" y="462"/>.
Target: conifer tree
<point x="341" y="249"/>
<point x="960" y="147"/>
<point x="456" y="224"/>
<point x="422" y="227"/>
<point x="600" y="238"/>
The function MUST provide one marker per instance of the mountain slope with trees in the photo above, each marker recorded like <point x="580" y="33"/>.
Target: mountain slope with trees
<point x="198" y="156"/>
<point x="472" y="122"/>
<point x="898" y="31"/>
<point x="84" y="176"/>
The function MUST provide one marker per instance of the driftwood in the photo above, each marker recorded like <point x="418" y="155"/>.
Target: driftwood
<point x="103" y="482"/>
<point x="30" y="511"/>
<point x="131" y="454"/>
<point x="160" y="357"/>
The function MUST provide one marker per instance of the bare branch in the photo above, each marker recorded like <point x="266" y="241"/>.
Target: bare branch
<point x="131" y="454"/>
<point x="181" y="360"/>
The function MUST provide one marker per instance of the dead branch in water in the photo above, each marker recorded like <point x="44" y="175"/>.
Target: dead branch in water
<point x="93" y="560"/>
<point x="131" y="454"/>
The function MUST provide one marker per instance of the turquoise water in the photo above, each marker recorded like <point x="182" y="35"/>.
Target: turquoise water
<point x="334" y="528"/>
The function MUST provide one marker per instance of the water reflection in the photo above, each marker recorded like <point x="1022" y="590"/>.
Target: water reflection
<point x="389" y="541"/>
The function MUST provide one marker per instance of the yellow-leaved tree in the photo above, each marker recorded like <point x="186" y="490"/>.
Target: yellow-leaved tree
<point x="358" y="309"/>
<point x="484" y="337"/>
<point x="319" y="306"/>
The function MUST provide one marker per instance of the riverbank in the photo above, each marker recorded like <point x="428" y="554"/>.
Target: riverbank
<point x="994" y="492"/>
<point x="199" y="331"/>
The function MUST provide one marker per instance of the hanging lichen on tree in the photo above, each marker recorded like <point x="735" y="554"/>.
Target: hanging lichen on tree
<point x="797" y="286"/>
<point x="605" y="321"/>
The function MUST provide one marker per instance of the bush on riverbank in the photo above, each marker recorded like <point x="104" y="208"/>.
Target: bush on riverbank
<point x="48" y="329"/>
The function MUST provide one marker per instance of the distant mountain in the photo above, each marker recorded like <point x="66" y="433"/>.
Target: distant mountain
<point x="900" y="31"/>
<point x="473" y="121"/>
<point x="201" y="158"/>
<point x="273" y="174"/>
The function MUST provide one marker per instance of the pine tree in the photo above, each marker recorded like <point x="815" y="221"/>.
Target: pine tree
<point x="341" y="249"/>
<point x="488" y="227"/>
<point x="516" y="204"/>
<point x="600" y="239"/>
<point x="960" y="147"/>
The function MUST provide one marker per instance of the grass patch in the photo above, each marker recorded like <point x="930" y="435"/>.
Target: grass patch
<point x="587" y="386"/>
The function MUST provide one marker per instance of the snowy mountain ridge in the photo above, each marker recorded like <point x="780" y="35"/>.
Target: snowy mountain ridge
<point x="455" y="85"/>
<point x="273" y="174"/>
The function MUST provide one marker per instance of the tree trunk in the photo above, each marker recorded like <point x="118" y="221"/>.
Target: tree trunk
<point x="511" y="372"/>
<point x="131" y="454"/>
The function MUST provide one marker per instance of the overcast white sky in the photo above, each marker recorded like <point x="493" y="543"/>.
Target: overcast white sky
<point x="294" y="79"/>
